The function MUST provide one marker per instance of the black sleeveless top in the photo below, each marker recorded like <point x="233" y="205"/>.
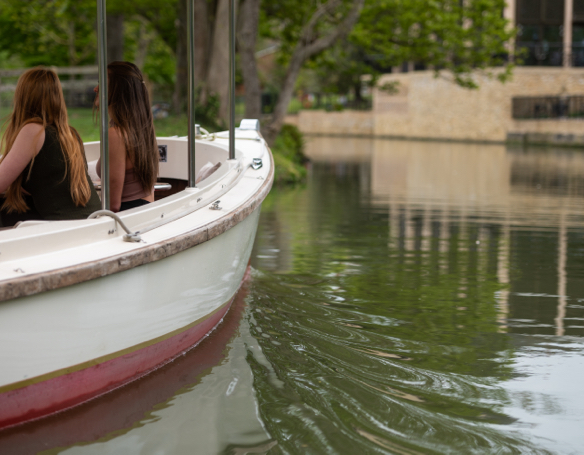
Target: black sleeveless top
<point x="49" y="185"/>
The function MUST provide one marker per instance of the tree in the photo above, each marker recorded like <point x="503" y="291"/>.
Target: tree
<point x="453" y="36"/>
<point x="31" y="30"/>
<point x="304" y="30"/>
<point x="217" y="78"/>
<point x="246" y="41"/>
<point x="340" y="70"/>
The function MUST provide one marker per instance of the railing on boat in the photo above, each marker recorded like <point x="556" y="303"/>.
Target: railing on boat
<point x="103" y="113"/>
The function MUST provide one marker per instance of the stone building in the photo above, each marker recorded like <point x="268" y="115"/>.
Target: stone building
<point x="543" y="103"/>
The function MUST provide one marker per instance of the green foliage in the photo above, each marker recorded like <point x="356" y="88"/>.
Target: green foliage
<point x="339" y="69"/>
<point x="452" y="36"/>
<point x="159" y="63"/>
<point x="207" y="115"/>
<point x="460" y="37"/>
<point x="285" y="21"/>
<point x="289" y="158"/>
<point x="294" y="139"/>
<point x="56" y="32"/>
<point x="161" y="15"/>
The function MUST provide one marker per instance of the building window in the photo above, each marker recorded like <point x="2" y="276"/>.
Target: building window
<point x="578" y="34"/>
<point x="540" y="24"/>
<point x="578" y="10"/>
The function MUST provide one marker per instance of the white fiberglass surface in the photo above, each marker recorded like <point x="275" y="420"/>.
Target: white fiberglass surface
<point x="40" y="248"/>
<point x="176" y="160"/>
<point x="69" y="326"/>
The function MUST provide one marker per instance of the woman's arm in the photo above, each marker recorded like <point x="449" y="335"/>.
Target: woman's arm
<point x="117" y="158"/>
<point x="27" y="144"/>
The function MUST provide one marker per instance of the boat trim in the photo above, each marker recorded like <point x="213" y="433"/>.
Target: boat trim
<point x="68" y="276"/>
<point x="105" y="358"/>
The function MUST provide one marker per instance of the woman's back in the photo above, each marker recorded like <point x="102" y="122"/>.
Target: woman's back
<point x="49" y="184"/>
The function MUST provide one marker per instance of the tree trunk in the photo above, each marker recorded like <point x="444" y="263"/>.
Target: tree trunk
<point x="218" y="75"/>
<point x="201" y="11"/>
<point x="180" y="84"/>
<point x="281" y="108"/>
<point x="143" y="42"/>
<point x="201" y="41"/>
<point x="246" y="40"/>
<point x="115" y="37"/>
<point x="358" y="96"/>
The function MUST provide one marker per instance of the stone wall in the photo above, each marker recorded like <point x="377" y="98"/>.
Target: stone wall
<point x="426" y="107"/>
<point x="435" y="108"/>
<point x="350" y="123"/>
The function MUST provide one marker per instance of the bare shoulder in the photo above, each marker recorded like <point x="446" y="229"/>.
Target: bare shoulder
<point x="116" y="139"/>
<point x="114" y="133"/>
<point x="32" y="134"/>
<point x="32" y="129"/>
<point x="117" y="147"/>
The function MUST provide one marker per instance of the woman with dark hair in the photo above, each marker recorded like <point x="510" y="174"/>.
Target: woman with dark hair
<point x="133" y="152"/>
<point x="43" y="172"/>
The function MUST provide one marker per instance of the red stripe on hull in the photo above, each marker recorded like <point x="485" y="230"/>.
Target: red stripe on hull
<point x="53" y="395"/>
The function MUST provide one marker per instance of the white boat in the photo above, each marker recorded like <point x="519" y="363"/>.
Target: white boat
<point x="89" y="305"/>
<point x="83" y="310"/>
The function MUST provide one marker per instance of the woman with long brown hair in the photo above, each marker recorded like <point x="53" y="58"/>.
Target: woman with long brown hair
<point x="133" y="152"/>
<point x="43" y="171"/>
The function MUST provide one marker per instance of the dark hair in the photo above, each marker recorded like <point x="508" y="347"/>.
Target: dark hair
<point x="130" y="113"/>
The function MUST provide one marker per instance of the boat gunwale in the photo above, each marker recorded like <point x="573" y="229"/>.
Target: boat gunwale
<point x="86" y="271"/>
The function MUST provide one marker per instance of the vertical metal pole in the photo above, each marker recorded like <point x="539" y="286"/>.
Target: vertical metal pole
<point x="231" y="79"/>
<point x="191" y="91"/>
<point x="103" y="106"/>
<point x="568" y="19"/>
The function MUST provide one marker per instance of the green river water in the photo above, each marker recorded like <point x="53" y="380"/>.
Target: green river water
<point x="411" y="298"/>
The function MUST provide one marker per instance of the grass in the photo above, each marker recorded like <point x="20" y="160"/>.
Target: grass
<point x="82" y="121"/>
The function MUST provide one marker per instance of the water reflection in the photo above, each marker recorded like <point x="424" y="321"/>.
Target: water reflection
<point x="440" y="194"/>
<point x="424" y="297"/>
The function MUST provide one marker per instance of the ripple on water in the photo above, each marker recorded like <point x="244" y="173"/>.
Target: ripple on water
<point x="346" y="382"/>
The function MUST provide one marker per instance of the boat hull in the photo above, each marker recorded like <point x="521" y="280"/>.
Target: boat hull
<point x="71" y="344"/>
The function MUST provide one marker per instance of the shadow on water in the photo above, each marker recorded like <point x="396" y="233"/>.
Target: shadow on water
<point x="423" y="297"/>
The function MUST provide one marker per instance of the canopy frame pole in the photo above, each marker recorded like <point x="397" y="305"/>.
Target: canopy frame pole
<point x="103" y="104"/>
<point x="191" y="90"/>
<point x="231" y="79"/>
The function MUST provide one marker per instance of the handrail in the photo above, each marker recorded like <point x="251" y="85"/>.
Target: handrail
<point x="159" y="186"/>
<point x="191" y="92"/>
<point x="129" y="236"/>
<point x="135" y="236"/>
<point x="231" y="79"/>
<point x="103" y="103"/>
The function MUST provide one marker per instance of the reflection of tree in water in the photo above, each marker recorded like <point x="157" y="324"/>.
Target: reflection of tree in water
<point x="380" y="318"/>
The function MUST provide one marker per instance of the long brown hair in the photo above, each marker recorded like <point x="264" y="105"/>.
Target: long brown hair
<point x="130" y="113"/>
<point x="39" y="99"/>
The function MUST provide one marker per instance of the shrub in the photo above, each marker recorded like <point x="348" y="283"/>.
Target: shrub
<point x="289" y="157"/>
